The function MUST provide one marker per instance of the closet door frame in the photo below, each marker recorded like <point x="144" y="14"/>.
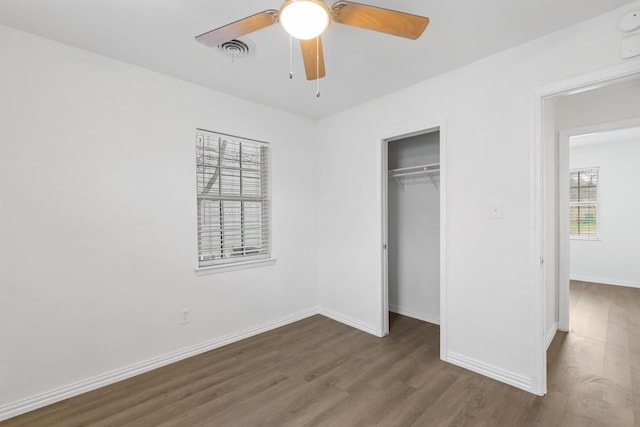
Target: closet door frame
<point x="384" y="309"/>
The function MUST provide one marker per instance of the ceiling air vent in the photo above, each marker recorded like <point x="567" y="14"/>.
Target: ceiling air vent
<point x="237" y="48"/>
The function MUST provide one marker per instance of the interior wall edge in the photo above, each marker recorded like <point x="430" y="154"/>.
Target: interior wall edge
<point x="350" y="321"/>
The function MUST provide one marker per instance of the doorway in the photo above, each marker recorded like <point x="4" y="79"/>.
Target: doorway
<point x="413" y="202"/>
<point x="596" y="224"/>
<point x="550" y="223"/>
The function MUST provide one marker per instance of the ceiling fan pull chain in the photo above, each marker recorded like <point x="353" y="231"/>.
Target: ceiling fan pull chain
<point x="318" y="67"/>
<point x="290" y="57"/>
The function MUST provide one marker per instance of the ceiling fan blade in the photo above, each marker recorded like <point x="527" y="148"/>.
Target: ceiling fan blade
<point x="239" y="28"/>
<point x="378" y="19"/>
<point x="313" y="57"/>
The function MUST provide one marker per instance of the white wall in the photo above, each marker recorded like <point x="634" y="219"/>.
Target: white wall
<point x="614" y="259"/>
<point x="490" y="295"/>
<point x="414" y="231"/>
<point x="98" y="217"/>
<point x="613" y="103"/>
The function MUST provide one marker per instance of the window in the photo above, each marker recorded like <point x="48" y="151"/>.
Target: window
<point x="583" y="203"/>
<point x="233" y="199"/>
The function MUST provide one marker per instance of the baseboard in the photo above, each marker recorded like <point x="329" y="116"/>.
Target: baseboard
<point x="349" y="321"/>
<point x="414" y="314"/>
<point x="604" y="281"/>
<point x="29" y="404"/>
<point x="490" y="371"/>
<point x="551" y="334"/>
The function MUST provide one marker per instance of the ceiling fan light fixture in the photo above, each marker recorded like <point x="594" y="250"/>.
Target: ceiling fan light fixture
<point x="304" y="19"/>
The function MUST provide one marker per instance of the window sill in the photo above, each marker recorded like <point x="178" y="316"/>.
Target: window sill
<point x="586" y="239"/>
<point x="242" y="265"/>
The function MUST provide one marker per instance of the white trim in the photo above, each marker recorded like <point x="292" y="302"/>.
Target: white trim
<point x="536" y="153"/>
<point x="606" y="281"/>
<point x="443" y="239"/>
<point x="593" y="80"/>
<point x="241" y="265"/>
<point x="414" y="314"/>
<point x="384" y="204"/>
<point x="56" y="395"/>
<point x="551" y="334"/>
<point x="600" y="78"/>
<point x="350" y="321"/>
<point x="491" y="371"/>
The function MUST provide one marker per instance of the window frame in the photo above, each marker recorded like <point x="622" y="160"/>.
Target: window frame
<point x="595" y="204"/>
<point x="227" y="259"/>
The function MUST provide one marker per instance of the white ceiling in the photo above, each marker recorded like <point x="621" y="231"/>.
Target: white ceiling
<point x="361" y="65"/>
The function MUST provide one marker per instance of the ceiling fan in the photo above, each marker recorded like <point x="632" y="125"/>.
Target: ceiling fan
<point x="306" y="20"/>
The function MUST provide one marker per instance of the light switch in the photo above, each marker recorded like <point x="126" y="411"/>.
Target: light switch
<point x="630" y="47"/>
<point x="495" y="210"/>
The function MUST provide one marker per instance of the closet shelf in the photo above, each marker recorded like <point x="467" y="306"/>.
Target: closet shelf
<point x="400" y="174"/>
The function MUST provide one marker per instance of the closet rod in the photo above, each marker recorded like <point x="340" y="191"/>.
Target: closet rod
<point x="422" y="172"/>
<point x="413" y="170"/>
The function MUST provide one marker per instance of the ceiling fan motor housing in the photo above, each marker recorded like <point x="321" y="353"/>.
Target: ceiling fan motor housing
<point x="304" y="19"/>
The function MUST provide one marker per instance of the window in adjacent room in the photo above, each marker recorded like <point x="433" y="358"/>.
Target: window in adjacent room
<point x="233" y="199"/>
<point x="583" y="203"/>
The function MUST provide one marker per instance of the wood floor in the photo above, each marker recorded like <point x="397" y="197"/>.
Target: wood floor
<point x="318" y="372"/>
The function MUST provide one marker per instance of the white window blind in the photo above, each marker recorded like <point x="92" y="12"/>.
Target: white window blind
<point x="583" y="203"/>
<point x="233" y="199"/>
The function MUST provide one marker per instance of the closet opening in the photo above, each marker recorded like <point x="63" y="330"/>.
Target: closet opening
<point x="412" y="227"/>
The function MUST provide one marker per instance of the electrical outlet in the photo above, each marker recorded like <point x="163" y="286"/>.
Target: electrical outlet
<point x="495" y="210"/>
<point x="185" y="316"/>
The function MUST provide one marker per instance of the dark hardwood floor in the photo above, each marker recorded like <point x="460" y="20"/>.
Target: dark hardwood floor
<point x="318" y="372"/>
